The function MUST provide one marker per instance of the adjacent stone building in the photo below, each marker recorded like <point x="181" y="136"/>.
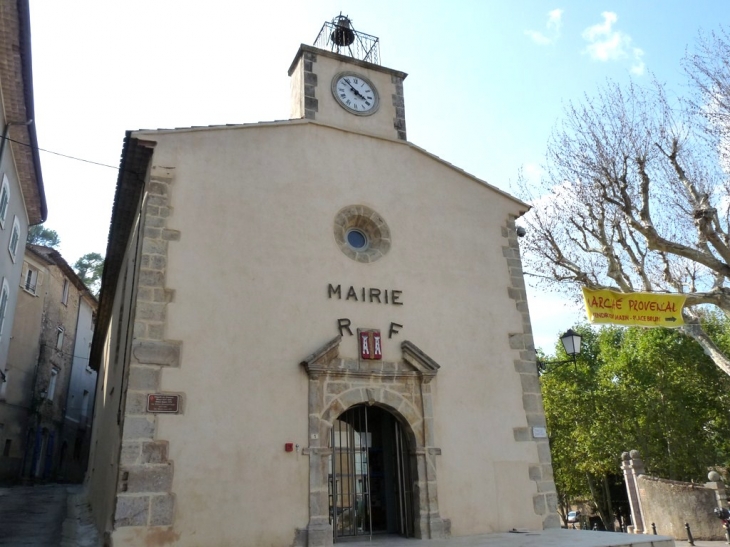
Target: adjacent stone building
<point x="312" y="330"/>
<point x="47" y="399"/>
<point x="22" y="199"/>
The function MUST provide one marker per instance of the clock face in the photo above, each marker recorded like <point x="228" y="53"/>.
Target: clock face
<point x="355" y="93"/>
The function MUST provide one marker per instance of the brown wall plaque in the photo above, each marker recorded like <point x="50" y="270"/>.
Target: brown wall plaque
<point x="158" y="402"/>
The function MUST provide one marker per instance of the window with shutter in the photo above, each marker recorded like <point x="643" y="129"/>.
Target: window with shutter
<point x="14" y="239"/>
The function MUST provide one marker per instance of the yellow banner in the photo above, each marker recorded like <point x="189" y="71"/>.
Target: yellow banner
<point x="634" y="309"/>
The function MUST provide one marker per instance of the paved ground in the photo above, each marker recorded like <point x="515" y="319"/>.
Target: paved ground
<point x="53" y="515"/>
<point x="32" y="515"/>
<point x="547" y="538"/>
<point x="58" y="516"/>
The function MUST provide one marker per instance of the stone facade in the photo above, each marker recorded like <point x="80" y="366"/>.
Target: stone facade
<point x="144" y="490"/>
<point x="36" y="401"/>
<point x="545" y="502"/>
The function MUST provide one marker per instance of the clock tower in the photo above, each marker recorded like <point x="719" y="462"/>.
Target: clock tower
<point x="341" y="83"/>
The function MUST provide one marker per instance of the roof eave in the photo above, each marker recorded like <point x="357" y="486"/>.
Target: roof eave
<point x="134" y="163"/>
<point x="27" y="62"/>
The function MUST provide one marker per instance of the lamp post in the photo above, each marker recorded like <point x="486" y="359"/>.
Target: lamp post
<point x="571" y="342"/>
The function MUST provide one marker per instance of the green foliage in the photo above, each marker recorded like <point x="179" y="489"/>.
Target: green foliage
<point x="90" y="268"/>
<point x="653" y="390"/>
<point x="40" y="235"/>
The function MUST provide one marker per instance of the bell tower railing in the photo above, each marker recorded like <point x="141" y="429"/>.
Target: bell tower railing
<point x="339" y="36"/>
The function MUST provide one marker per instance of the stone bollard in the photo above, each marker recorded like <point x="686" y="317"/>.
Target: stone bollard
<point x="690" y="539"/>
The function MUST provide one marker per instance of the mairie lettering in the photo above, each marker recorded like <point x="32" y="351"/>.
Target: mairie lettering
<point x="364" y="294"/>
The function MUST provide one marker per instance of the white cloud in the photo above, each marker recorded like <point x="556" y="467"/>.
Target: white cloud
<point x="607" y="44"/>
<point x="637" y="68"/>
<point x="601" y="29"/>
<point x="553" y="25"/>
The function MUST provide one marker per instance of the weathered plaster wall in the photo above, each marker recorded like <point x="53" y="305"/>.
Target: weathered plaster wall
<point x="252" y="210"/>
<point x="80" y="398"/>
<point x="33" y="358"/>
<point x="56" y="315"/>
<point x="10" y="267"/>
<point x="17" y="394"/>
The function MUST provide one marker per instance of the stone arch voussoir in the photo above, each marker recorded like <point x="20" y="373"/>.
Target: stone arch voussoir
<point x="391" y="401"/>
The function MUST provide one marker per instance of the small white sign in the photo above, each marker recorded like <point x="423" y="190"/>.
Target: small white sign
<point x="314" y="436"/>
<point x="539" y="432"/>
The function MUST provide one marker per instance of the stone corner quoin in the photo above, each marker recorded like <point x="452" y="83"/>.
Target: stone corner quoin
<point x="145" y="496"/>
<point x="545" y="502"/>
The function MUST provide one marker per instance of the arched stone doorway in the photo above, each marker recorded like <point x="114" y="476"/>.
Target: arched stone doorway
<point x="370" y="474"/>
<point x="402" y="390"/>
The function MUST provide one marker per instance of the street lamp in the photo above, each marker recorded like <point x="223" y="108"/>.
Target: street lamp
<point x="571" y="342"/>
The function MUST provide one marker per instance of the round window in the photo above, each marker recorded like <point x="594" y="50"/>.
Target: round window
<point x="357" y="240"/>
<point x="361" y="233"/>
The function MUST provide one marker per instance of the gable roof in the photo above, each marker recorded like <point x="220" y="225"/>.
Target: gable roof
<point x="16" y="83"/>
<point x="149" y="134"/>
<point x="134" y="164"/>
<point x="52" y="256"/>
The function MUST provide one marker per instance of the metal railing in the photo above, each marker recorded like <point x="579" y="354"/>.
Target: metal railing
<point x="339" y="36"/>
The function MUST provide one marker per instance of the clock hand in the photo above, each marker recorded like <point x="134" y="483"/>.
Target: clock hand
<point x="353" y="89"/>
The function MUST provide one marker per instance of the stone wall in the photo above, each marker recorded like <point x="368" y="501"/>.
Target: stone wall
<point x="668" y="505"/>
<point x="399" y="122"/>
<point x="671" y="504"/>
<point x="545" y="502"/>
<point x="311" y="104"/>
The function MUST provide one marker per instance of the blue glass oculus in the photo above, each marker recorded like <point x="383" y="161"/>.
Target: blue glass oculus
<point x="357" y="240"/>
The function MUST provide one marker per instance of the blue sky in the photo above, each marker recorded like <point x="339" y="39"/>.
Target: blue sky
<point x="487" y="81"/>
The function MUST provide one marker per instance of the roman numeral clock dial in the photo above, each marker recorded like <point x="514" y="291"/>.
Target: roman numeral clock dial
<point x="355" y="93"/>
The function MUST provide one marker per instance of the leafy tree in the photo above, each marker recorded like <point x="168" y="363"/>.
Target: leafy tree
<point x="40" y="235"/>
<point x="634" y="196"/>
<point x="90" y="268"/>
<point x="648" y="389"/>
<point x="583" y="441"/>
